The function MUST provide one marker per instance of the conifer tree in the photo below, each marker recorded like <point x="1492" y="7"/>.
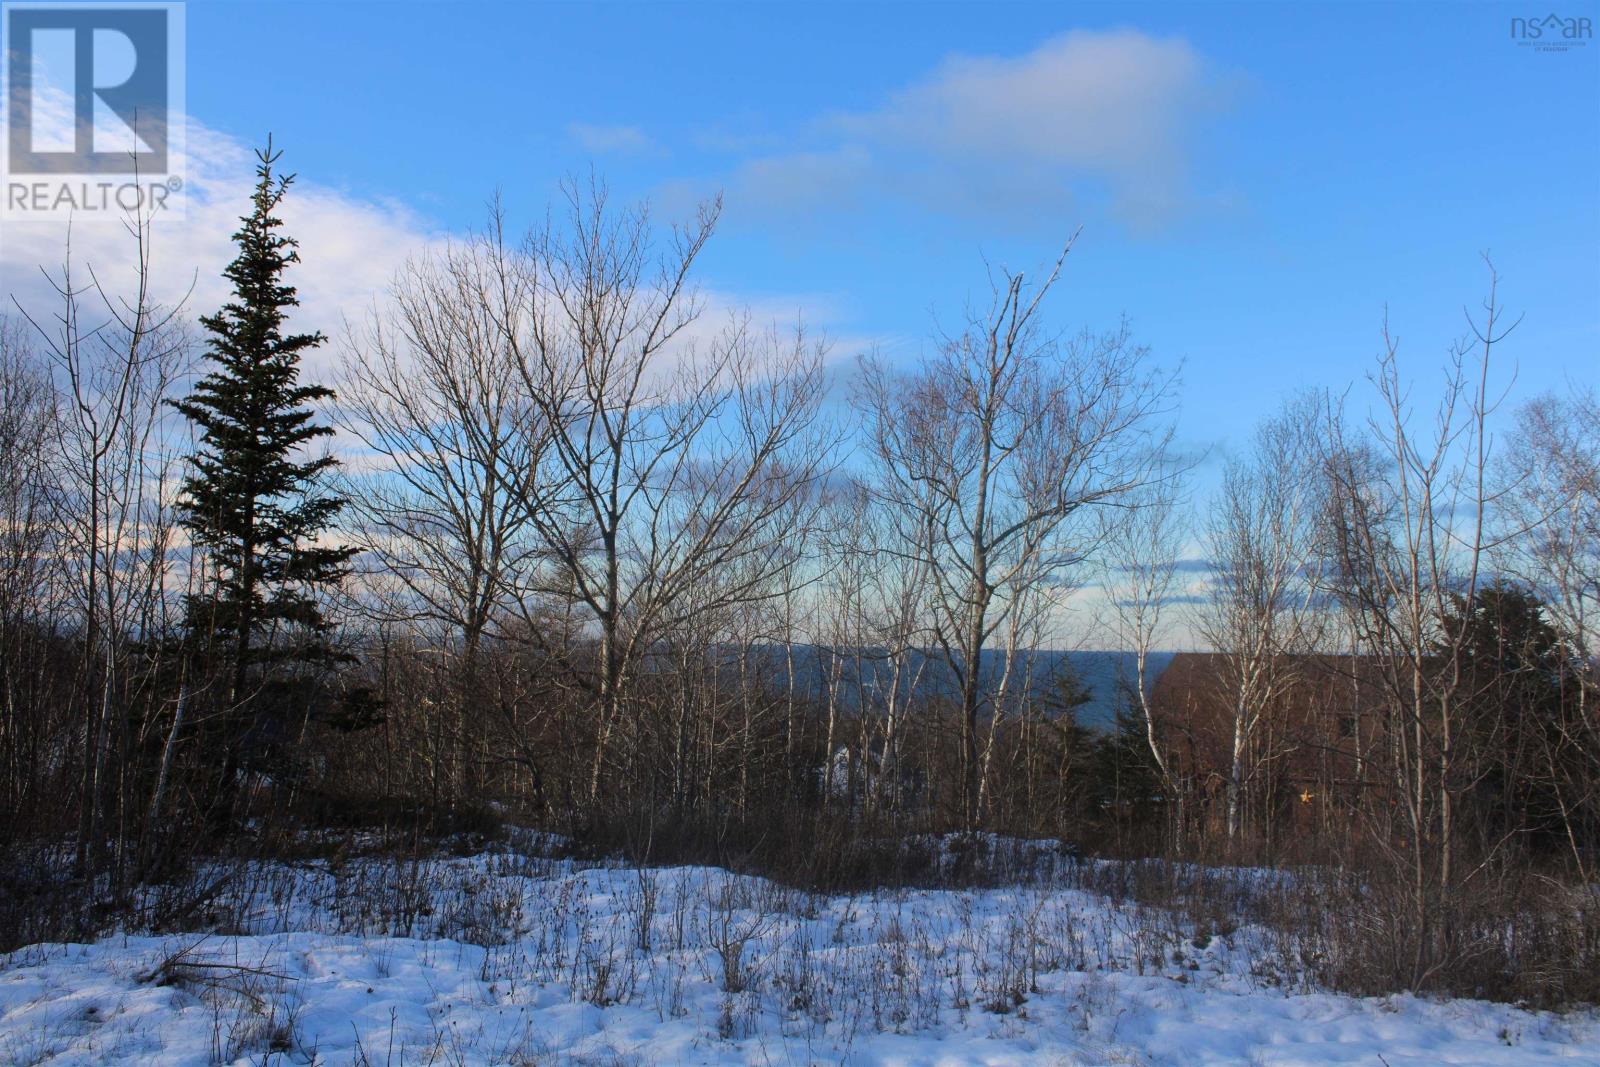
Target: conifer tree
<point x="254" y="498"/>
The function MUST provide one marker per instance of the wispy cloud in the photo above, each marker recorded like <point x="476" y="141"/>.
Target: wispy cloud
<point x="1181" y="566"/>
<point x="608" y="140"/>
<point x="1102" y="116"/>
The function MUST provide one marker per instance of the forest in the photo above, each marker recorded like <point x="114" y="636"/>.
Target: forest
<point x="557" y="551"/>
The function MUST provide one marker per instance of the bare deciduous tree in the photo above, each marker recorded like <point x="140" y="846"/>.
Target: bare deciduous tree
<point x="29" y="575"/>
<point x="1261" y="613"/>
<point x="1409" y="508"/>
<point x="117" y="357"/>
<point x="1549" y="536"/>
<point x="1143" y="547"/>
<point x="988" y="451"/>
<point x="672" y="459"/>
<point x="434" y="392"/>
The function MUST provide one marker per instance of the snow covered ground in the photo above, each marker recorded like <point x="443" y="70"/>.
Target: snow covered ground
<point x="498" y="959"/>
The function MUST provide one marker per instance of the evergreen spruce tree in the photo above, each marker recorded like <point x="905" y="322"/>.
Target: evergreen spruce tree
<point x="254" y="498"/>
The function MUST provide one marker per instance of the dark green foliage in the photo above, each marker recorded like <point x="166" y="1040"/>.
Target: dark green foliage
<point x="1130" y="773"/>
<point x="1066" y="691"/>
<point x="1100" y="785"/>
<point x="1520" y="685"/>
<point x="254" y="499"/>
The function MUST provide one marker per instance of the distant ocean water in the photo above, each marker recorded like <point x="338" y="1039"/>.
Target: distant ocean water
<point x="1107" y="676"/>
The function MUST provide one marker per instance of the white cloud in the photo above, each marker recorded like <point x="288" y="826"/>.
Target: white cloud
<point x="610" y="139"/>
<point x="349" y="246"/>
<point x="1109" y="102"/>
<point x="1087" y="113"/>
<point x="350" y="249"/>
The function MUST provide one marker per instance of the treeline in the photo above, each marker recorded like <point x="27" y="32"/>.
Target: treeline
<point x="589" y="558"/>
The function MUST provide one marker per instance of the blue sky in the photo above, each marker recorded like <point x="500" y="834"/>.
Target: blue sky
<point x="1255" y="182"/>
<point x="1293" y="170"/>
